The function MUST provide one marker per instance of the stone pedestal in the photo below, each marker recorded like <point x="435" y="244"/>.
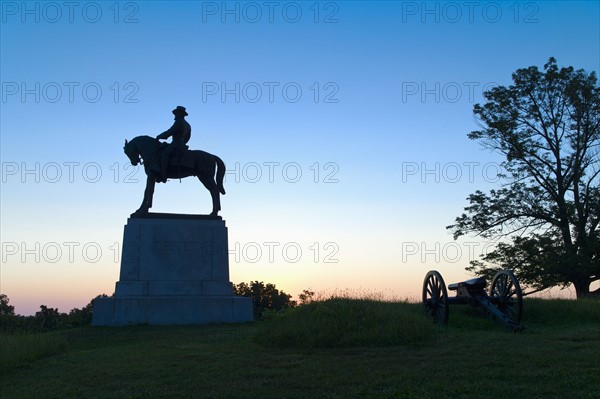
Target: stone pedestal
<point x="174" y="270"/>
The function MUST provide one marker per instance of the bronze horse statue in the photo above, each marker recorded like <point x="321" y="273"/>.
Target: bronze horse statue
<point x="147" y="151"/>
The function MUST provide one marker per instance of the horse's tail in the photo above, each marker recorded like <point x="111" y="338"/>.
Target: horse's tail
<point x="220" y="174"/>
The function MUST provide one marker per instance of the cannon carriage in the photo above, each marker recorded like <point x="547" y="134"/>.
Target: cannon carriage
<point x="503" y="302"/>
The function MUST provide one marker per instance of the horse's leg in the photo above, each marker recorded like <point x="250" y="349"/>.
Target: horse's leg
<point x="211" y="186"/>
<point x="148" y="194"/>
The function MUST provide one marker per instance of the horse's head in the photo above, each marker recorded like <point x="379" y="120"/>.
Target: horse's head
<point x="132" y="153"/>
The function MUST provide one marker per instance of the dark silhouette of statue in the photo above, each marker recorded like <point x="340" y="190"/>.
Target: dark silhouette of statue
<point x="181" y="131"/>
<point x="174" y="160"/>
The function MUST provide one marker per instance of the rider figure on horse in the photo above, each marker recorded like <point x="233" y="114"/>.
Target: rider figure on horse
<point x="181" y="131"/>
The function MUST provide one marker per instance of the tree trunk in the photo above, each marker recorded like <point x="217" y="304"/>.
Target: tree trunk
<point x="582" y="289"/>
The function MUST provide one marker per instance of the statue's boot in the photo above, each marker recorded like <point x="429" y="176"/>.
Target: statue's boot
<point x="155" y="169"/>
<point x="157" y="173"/>
<point x="164" y="164"/>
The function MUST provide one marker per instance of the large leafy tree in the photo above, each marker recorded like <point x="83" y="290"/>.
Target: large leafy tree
<point x="545" y="215"/>
<point x="264" y="296"/>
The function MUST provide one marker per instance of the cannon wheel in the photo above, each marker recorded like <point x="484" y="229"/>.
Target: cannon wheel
<point x="506" y="293"/>
<point x="435" y="297"/>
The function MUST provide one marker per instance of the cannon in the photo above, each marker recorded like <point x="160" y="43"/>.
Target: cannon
<point x="503" y="303"/>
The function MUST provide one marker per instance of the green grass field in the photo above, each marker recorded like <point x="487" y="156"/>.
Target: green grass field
<point x="338" y="348"/>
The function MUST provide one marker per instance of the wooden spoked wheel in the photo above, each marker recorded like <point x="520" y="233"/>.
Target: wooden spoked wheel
<point x="435" y="297"/>
<point x="506" y="293"/>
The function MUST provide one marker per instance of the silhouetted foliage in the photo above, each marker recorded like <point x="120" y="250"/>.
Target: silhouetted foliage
<point x="50" y="318"/>
<point x="306" y="297"/>
<point x="46" y="319"/>
<point x="547" y="126"/>
<point x="5" y="308"/>
<point x="7" y="313"/>
<point x="264" y="297"/>
<point x="82" y="317"/>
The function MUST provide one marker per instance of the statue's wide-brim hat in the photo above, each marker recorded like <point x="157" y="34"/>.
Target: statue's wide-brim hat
<point x="180" y="111"/>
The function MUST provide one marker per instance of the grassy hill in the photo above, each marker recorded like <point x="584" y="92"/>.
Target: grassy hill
<point x="338" y="348"/>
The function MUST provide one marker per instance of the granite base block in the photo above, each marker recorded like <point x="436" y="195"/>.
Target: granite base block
<point x="157" y="310"/>
<point x="174" y="270"/>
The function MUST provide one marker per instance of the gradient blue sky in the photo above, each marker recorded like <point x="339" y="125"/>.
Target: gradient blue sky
<point x="387" y="134"/>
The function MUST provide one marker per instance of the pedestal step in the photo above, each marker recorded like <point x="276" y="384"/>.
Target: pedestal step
<point x="121" y="311"/>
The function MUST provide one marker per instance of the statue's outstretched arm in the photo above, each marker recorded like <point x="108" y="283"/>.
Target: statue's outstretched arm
<point x="167" y="133"/>
<point x="164" y="135"/>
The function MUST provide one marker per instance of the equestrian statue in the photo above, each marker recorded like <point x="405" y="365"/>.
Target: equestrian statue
<point x="174" y="160"/>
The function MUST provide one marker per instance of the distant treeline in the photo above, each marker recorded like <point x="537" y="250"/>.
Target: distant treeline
<point x="265" y="297"/>
<point x="46" y="319"/>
